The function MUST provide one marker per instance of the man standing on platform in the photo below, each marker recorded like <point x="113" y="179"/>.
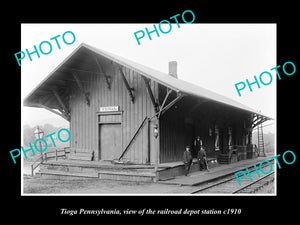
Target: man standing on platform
<point x="187" y="160"/>
<point x="197" y="145"/>
<point x="201" y="156"/>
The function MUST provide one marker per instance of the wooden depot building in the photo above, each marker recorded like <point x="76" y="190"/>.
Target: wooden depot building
<point x="125" y="112"/>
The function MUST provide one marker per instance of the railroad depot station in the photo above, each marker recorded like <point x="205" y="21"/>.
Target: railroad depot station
<point x="131" y="122"/>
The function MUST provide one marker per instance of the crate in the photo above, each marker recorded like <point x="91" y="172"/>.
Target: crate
<point x="227" y="159"/>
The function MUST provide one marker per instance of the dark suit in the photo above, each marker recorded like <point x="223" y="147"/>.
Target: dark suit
<point x="187" y="159"/>
<point x="197" y="146"/>
<point x="201" y="156"/>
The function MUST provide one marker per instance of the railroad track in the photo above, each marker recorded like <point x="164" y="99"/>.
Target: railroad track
<point x="254" y="186"/>
<point x="229" y="184"/>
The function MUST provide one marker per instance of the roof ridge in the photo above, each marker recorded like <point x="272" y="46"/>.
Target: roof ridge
<point x="158" y="76"/>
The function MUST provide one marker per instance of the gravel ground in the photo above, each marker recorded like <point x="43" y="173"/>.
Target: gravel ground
<point x="267" y="189"/>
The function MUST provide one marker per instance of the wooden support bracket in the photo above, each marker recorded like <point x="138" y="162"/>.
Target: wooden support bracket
<point x="62" y="114"/>
<point x="258" y="122"/>
<point x="163" y="109"/>
<point x="60" y="102"/>
<point x="149" y="90"/>
<point x="101" y="70"/>
<point x="129" y="89"/>
<point x="179" y="96"/>
<point x="85" y="94"/>
<point x="164" y="102"/>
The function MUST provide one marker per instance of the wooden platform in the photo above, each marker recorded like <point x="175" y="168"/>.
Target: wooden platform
<point x="170" y="170"/>
<point x="198" y="177"/>
<point x="79" y="169"/>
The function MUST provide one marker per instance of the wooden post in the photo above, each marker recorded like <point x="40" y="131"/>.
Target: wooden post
<point x="148" y="142"/>
<point x="157" y="152"/>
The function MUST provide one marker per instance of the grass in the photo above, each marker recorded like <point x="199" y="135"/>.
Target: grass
<point x="37" y="185"/>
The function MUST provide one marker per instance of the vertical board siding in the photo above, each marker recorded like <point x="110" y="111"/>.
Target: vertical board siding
<point x="172" y="140"/>
<point x="84" y="118"/>
<point x="176" y="131"/>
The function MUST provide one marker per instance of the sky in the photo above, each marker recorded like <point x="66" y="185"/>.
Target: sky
<point x="213" y="56"/>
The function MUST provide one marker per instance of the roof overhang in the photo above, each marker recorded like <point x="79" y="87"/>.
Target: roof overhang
<point x="53" y="92"/>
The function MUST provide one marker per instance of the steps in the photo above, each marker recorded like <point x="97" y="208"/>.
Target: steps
<point x="127" y="176"/>
<point x="78" y="169"/>
<point x="56" y="174"/>
<point x="81" y="155"/>
<point x="74" y="170"/>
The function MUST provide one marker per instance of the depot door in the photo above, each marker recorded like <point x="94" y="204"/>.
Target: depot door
<point x="109" y="141"/>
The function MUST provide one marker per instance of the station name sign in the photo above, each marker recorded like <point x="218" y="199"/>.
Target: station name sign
<point x="110" y="109"/>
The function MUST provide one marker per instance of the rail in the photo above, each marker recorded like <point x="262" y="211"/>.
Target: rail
<point x="252" y="183"/>
<point x="36" y="164"/>
<point x="229" y="178"/>
<point x="44" y="157"/>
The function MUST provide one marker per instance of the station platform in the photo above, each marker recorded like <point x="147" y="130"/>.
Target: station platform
<point x="199" y="177"/>
<point x="167" y="173"/>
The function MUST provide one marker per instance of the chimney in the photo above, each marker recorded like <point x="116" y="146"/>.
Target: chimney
<point x="173" y="68"/>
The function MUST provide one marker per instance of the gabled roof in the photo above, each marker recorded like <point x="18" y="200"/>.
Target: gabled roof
<point x="160" y="77"/>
